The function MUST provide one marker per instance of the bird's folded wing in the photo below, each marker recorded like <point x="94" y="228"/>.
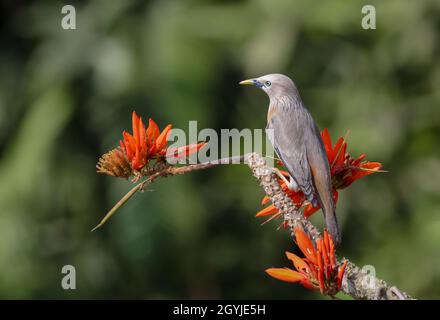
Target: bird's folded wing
<point x="291" y="149"/>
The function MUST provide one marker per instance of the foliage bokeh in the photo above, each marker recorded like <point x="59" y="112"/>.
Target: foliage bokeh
<point x="66" y="96"/>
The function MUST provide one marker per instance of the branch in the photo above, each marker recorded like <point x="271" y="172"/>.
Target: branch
<point x="357" y="282"/>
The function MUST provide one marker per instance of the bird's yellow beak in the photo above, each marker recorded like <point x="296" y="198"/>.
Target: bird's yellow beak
<point x="249" y="82"/>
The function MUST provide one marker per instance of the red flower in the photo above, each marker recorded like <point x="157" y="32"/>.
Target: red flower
<point x="144" y="144"/>
<point x="318" y="270"/>
<point x="135" y="147"/>
<point x="138" y="149"/>
<point x="344" y="171"/>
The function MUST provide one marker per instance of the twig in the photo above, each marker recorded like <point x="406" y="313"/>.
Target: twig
<point x="121" y="202"/>
<point x="165" y="172"/>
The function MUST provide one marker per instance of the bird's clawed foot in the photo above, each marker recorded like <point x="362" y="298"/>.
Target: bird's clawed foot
<point x="291" y="183"/>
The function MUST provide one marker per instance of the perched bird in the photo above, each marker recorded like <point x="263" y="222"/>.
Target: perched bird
<point x="297" y="141"/>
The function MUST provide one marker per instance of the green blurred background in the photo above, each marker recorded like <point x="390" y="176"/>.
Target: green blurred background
<point x="66" y="96"/>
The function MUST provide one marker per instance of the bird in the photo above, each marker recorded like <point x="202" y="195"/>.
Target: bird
<point x="297" y="141"/>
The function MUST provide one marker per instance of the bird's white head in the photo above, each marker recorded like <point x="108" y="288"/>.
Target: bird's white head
<point x="275" y="85"/>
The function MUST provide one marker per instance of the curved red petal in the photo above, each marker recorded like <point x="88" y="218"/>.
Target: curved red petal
<point x="356" y="174"/>
<point x="161" y="141"/>
<point x="332" y="251"/>
<point x="285" y="274"/>
<point x="339" y="161"/>
<point x="305" y="245"/>
<point x="135" y="125"/>
<point x="185" y="151"/>
<point x="299" y="263"/>
<point x="358" y="160"/>
<point x="271" y="209"/>
<point x="130" y="145"/>
<point x="308" y="284"/>
<point x="327" y="144"/>
<point x="152" y="131"/>
<point x="341" y="274"/>
<point x="326" y="248"/>
<point x="371" y="165"/>
<point x="265" y="200"/>
<point x="336" y="151"/>
<point x="325" y="258"/>
<point x="321" y="274"/>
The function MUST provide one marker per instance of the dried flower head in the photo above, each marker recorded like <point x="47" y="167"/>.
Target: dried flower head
<point x="114" y="164"/>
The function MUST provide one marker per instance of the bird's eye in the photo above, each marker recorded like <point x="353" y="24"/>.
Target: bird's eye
<point x="267" y="83"/>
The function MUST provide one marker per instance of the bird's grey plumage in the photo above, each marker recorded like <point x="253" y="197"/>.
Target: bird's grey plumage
<point x="297" y="141"/>
<point x="291" y="143"/>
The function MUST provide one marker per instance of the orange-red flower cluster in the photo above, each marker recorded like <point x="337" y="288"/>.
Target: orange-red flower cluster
<point x="318" y="270"/>
<point x="144" y="144"/>
<point x="344" y="171"/>
<point x="139" y="148"/>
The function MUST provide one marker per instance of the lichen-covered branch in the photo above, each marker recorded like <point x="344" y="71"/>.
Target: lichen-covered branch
<point x="357" y="282"/>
